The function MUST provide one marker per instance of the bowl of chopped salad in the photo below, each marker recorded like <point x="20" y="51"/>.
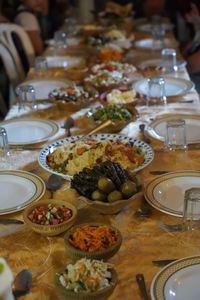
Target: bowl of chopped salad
<point x="86" y="279"/>
<point x="49" y="217"/>
<point x="93" y="241"/>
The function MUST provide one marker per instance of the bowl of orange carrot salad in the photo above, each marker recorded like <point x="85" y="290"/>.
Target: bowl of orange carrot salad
<point x="92" y="240"/>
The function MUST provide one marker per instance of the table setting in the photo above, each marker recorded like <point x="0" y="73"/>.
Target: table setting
<point x="100" y="169"/>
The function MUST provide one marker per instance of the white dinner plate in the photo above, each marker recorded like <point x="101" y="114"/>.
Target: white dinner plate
<point x="173" y="86"/>
<point x="166" y="192"/>
<point x="18" y="189"/>
<point x="44" y="86"/>
<point x="158" y="62"/>
<point x="64" y="61"/>
<point x="178" y="280"/>
<point x="25" y="131"/>
<point x="148" y="27"/>
<point x="157" y="129"/>
<point x="73" y="41"/>
<point x="149" y="154"/>
<point x="150" y="43"/>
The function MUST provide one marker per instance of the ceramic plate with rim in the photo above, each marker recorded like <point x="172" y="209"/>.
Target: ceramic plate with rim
<point x="147" y="27"/>
<point x="44" y="86"/>
<point x="166" y="192"/>
<point x="178" y="280"/>
<point x="26" y="131"/>
<point x="18" y="189"/>
<point x="149" y="154"/>
<point x="149" y="43"/>
<point x="173" y="86"/>
<point x="158" y="62"/>
<point x="64" y="61"/>
<point x="157" y="129"/>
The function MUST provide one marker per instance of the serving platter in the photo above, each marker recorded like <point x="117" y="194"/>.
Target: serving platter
<point x="149" y="154"/>
<point x="19" y="189"/>
<point x="26" y="131"/>
<point x="166" y="192"/>
<point x="157" y="129"/>
<point x="178" y="280"/>
<point x="150" y="43"/>
<point x="44" y="86"/>
<point x="173" y="86"/>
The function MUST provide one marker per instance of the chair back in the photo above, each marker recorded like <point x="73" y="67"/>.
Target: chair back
<point x="8" y="32"/>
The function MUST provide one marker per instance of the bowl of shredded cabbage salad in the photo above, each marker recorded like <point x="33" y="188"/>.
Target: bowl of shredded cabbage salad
<point x="86" y="279"/>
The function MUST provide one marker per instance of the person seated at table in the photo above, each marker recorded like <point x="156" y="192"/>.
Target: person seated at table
<point x="26" y="16"/>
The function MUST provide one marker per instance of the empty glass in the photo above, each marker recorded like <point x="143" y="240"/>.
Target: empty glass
<point x="191" y="211"/>
<point x="41" y="66"/>
<point x="175" y="138"/>
<point x="156" y="91"/>
<point x="4" y="147"/>
<point x="26" y="98"/>
<point x="60" y="38"/>
<point x="169" y="62"/>
<point x="158" y="33"/>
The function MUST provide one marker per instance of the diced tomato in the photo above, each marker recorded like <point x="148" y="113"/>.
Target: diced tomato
<point x="111" y="68"/>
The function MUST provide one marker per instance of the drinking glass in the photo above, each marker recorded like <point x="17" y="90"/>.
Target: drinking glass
<point x="60" y="38"/>
<point x="41" y="66"/>
<point x="191" y="210"/>
<point x="175" y="138"/>
<point x="26" y="98"/>
<point x="158" y="33"/>
<point x="156" y="91"/>
<point x="4" y="147"/>
<point x="169" y="62"/>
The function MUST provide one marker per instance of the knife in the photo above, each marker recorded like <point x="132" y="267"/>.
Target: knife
<point x="142" y="286"/>
<point x="10" y="221"/>
<point x="161" y="172"/>
<point x="163" y="262"/>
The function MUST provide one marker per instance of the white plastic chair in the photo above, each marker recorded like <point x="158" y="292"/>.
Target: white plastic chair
<point x="12" y="73"/>
<point x="6" y="36"/>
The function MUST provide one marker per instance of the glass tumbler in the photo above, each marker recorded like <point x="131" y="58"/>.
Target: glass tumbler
<point x="26" y="98"/>
<point x="41" y="66"/>
<point x="60" y="38"/>
<point x="175" y="138"/>
<point x="156" y="91"/>
<point x="158" y="33"/>
<point x="191" y="210"/>
<point x="4" y="147"/>
<point x="168" y="60"/>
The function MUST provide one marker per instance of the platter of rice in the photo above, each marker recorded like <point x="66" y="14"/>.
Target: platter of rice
<point x="69" y="156"/>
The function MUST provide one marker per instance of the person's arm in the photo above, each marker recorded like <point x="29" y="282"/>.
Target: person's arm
<point x="193" y="63"/>
<point x="37" y="42"/>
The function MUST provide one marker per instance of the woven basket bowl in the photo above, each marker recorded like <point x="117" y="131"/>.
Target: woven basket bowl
<point x="107" y="208"/>
<point x="101" y="294"/>
<point x="50" y="230"/>
<point x="104" y="254"/>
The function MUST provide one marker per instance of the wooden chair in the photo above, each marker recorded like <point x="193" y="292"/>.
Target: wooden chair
<point x="8" y="34"/>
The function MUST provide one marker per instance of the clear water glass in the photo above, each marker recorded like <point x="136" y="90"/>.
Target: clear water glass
<point x="156" y="94"/>
<point x="168" y="60"/>
<point x="26" y="98"/>
<point x="60" y="38"/>
<point x="191" y="209"/>
<point x="4" y="146"/>
<point x="175" y="138"/>
<point x="158" y="33"/>
<point x="41" y="66"/>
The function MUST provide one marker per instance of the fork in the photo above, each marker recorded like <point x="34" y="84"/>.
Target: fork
<point x="169" y="227"/>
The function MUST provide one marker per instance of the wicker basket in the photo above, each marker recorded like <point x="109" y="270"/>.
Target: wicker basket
<point x="50" y="230"/>
<point x="101" y="294"/>
<point x="104" y="254"/>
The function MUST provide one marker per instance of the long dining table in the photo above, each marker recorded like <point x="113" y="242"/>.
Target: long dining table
<point x="143" y="240"/>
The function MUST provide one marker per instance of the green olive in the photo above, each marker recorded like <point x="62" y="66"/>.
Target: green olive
<point x="128" y="188"/>
<point x="114" y="196"/>
<point x="98" y="195"/>
<point x="106" y="185"/>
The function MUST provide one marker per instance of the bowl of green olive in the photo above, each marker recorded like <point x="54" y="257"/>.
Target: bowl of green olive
<point x="111" y="190"/>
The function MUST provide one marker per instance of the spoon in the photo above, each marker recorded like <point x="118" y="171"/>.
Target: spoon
<point x="53" y="183"/>
<point x="142" y="129"/>
<point x="69" y="123"/>
<point x="22" y="283"/>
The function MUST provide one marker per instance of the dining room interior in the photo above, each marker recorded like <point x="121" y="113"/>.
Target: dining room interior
<point x="99" y="149"/>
